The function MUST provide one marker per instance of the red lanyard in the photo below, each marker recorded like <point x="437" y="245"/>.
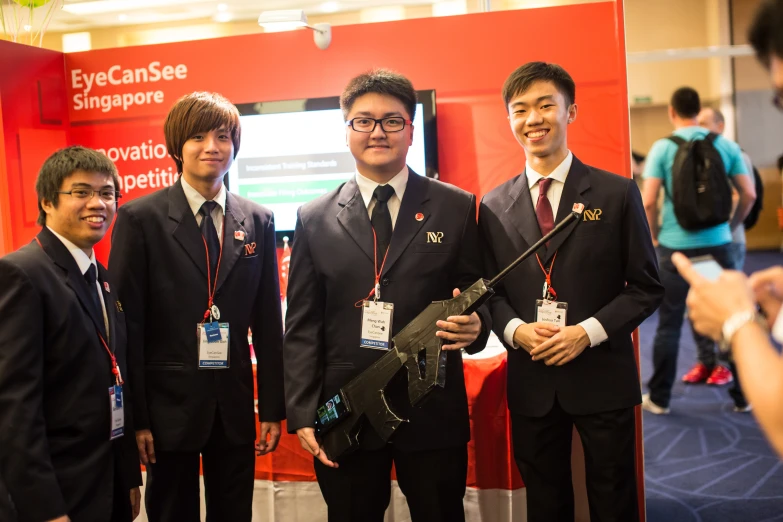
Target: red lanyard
<point x="115" y="369"/>
<point x="548" y="285"/>
<point x="211" y="285"/>
<point x="376" y="288"/>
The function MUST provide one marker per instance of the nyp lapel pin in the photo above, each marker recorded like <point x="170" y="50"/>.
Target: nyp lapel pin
<point x="239" y="235"/>
<point x="106" y="287"/>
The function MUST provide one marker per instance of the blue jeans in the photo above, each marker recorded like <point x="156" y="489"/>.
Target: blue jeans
<point x="671" y="314"/>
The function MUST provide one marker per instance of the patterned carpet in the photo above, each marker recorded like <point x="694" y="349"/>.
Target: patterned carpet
<point x="704" y="462"/>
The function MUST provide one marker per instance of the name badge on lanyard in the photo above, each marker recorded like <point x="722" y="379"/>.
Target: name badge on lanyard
<point x="117" y="412"/>
<point x="548" y="309"/>
<point x="213" y="338"/>
<point x="376" y="325"/>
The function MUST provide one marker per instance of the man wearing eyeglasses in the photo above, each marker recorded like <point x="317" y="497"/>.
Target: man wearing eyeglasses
<point x="389" y="236"/>
<point x="67" y="445"/>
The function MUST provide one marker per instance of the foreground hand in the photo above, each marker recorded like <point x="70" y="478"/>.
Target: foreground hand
<point x="272" y="429"/>
<point x="562" y="347"/>
<point x="311" y="445"/>
<point x="711" y="303"/>
<point x="135" y="500"/>
<point x="530" y="335"/>
<point x="462" y="330"/>
<point x="767" y="285"/>
<point x="146" y="446"/>
<point x="61" y="519"/>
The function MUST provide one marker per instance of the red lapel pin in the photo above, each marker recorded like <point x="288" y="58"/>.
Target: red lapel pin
<point x="106" y="287"/>
<point x="239" y="235"/>
<point x="419" y="216"/>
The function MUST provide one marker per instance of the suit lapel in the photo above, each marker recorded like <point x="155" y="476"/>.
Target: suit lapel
<point x="521" y="212"/>
<point x="407" y="226"/>
<point x="233" y="221"/>
<point x="186" y="231"/>
<point x="354" y="218"/>
<point x="57" y="252"/>
<point x="577" y="182"/>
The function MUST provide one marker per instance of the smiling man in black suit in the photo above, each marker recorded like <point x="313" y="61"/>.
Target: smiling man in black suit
<point x="405" y="240"/>
<point x="576" y="366"/>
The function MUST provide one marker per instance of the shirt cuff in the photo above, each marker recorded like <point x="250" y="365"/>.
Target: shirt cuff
<point x="594" y="330"/>
<point x="508" y="332"/>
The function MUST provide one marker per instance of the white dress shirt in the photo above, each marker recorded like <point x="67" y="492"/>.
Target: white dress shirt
<point x="83" y="262"/>
<point x="595" y="331"/>
<point x="398" y="183"/>
<point x="195" y="200"/>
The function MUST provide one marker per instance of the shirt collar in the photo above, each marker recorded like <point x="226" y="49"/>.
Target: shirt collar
<point x="83" y="261"/>
<point x="560" y="173"/>
<point x="195" y="200"/>
<point x="367" y="186"/>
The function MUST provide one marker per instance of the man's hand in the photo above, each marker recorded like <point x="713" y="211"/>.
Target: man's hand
<point x="272" y="430"/>
<point x="563" y="347"/>
<point x="711" y="303"/>
<point x="61" y="519"/>
<point x="311" y="445"/>
<point x="767" y="285"/>
<point x="462" y="330"/>
<point x="135" y="500"/>
<point x="530" y="335"/>
<point x="146" y="446"/>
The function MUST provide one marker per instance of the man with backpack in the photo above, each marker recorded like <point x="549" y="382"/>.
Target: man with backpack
<point x="696" y="169"/>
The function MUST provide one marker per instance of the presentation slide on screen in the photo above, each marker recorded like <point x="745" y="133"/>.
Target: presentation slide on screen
<point x="287" y="159"/>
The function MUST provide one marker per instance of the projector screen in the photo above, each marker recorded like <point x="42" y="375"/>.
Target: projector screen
<point x="294" y="151"/>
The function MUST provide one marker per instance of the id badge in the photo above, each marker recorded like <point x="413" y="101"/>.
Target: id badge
<point x="552" y="312"/>
<point x="117" y="412"/>
<point x="213" y="346"/>
<point x="376" y="325"/>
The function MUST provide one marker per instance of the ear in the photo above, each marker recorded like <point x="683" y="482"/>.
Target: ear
<point x="47" y="206"/>
<point x="572" y="111"/>
<point x="411" y="137"/>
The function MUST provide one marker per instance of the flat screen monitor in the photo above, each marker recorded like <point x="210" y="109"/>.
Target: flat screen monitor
<point x="294" y="151"/>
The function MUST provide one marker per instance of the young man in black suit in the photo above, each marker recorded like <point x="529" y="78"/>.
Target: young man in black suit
<point x="67" y="446"/>
<point x="575" y="367"/>
<point x="196" y="266"/>
<point x="371" y="234"/>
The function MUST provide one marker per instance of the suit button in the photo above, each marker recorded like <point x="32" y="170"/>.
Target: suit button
<point x="385" y="281"/>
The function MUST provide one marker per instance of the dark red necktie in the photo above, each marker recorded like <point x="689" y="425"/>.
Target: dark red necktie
<point x="544" y="215"/>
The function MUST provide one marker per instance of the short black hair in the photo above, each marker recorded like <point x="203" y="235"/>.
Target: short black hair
<point x="637" y="156"/>
<point x="524" y="76"/>
<point x="62" y="164"/>
<point x="766" y="31"/>
<point x="685" y="102"/>
<point x="379" y="81"/>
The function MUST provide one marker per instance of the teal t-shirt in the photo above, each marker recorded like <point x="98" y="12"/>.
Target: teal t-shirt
<point x="659" y="165"/>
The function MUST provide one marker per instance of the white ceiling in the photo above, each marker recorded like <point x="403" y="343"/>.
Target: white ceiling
<point x="134" y="12"/>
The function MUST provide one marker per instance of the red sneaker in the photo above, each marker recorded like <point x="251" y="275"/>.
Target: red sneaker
<point x="697" y="375"/>
<point x="720" y="375"/>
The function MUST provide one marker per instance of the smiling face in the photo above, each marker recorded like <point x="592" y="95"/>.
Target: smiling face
<point x="379" y="155"/>
<point x="539" y="118"/>
<point x="83" y="222"/>
<point x="207" y="156"/>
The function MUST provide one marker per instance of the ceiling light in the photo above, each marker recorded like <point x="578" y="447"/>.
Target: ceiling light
<point x="28" y="28"/>
<point x="122" y="17"/>
<point x="222" y="7"/>
<point x="222" y="17"/>
<point x="289" y="19"/>
<point x="329" y="7"/>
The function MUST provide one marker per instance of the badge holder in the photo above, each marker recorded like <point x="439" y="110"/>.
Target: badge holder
<point x="550" y="311"/>
<point x="376" y="325"/>
<point x="213" y="342"/>
<point x="117" y="412"/>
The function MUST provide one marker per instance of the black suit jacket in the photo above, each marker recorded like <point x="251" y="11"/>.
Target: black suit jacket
<point x="55" y="375"/>
<point x="159" y="262"/>
<point x="332" y="268"/>
<point x="605" y="268"/>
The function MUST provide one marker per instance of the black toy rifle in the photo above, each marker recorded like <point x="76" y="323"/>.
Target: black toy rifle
<point x="418" y="349"/>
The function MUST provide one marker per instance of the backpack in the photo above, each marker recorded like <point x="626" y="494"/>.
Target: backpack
<point x="755" y="210"/>
<point x="701" y="192"/>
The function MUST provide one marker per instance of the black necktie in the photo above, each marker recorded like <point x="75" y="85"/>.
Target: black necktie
<point x="381" y="219"/>
<point x="91" y="276"/>
<point x="209" y="232"/>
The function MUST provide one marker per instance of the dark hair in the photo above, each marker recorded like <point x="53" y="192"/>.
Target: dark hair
<point x="637" y="157"/>
<point x="199" y="112"/>
<point x="62" y="164"/>
<point x="766" y="32"/>
<point x="524" y="76"/>
<point x="379" y="81"/>
<point x="685" y="102"/>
